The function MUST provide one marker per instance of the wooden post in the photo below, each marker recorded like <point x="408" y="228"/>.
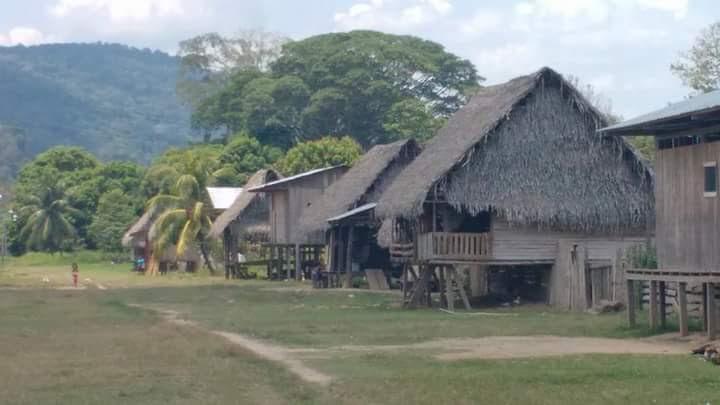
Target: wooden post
<point x="443" y="283"/>
<point x="298" y="263"/>
<point x="682" y="303"/>
<point x="348" y="279"/>
<point x="405" y="282"/>
<point x="331" y="251"/>
<point x="449" y="291"/>
<point x="461" y="288"/>
<point x="653" y="305"/>
<point x="631" y="303"/>
<point x="663" y="311"/>
<point x="704" y="307"/>
<point x="711" y="312"/>
<point x="478" y="281"/>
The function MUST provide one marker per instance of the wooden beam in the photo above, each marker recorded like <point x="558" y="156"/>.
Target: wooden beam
<point x="348" y="269"/>
<point x="298" y="263"/>
<point x="443" y="283"/>
<point x="449" y="291"/>
<point x="683" y="314"/>
<point x="704" y="307"/>
<point x="711" y="312"/>
<point x="653" y="316"/>
<point x="631" y="301"/>
<point x="661" y="297"/>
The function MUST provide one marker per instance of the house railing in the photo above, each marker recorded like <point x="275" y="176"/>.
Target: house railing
<point x="461" y="247"/>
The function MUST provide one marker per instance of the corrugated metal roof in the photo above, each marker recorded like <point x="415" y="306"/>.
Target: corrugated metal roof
<point x="223" y="197"/>
<point x="698" y="104"/>
<point x="358" y="210"/>
<point x="290" y="179"/>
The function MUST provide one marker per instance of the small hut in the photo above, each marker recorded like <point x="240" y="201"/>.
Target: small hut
<point x="138" y="239"/>
<point x="344" y="216"/>
<point x="289" y="198"/>
<point x="520" y="192"/>
<point x="245" y="220"/>
<point x="687" y="138"/>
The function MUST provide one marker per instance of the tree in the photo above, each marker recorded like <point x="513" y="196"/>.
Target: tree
<point x="242" y="157"/>
<point x="115" y="213"/>
<point x="207" y="61"/>
<point x="597" y="99"/>
<point x="47" y="227"/>
<point x="359" y="82"/>
<point x="699" y="68"/>
<point x="411" y="119"/>
<point x="183" y="218"/>
<point x="324" y="152"/>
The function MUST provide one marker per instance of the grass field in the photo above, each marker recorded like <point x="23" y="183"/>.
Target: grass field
<point x="93" y="346"/>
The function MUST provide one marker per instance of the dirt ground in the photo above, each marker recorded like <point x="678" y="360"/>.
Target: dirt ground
<point x="492" y="347"/>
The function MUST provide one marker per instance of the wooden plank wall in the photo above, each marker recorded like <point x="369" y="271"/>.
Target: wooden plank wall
<point x="687" y="221"/>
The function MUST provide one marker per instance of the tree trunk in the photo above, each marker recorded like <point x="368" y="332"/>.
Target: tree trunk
<point x="206" y="258"/>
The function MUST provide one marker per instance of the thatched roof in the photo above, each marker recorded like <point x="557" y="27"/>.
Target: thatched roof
<point x="372" y="172"/>
<point x="528" y="149"/>
<point x="141" y="226"/>
<point x="243" y="201"/>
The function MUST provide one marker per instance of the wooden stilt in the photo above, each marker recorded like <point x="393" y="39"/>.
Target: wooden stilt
<point x="298" y="263"/>
<point x="631" y="301"/>
<point x="653" y="305"/>
<point x="459" y="282"/>
<point x="661" y="298"/>
<point x="443" y="284"/>
<point x="348" y="257"/>
<point x="711" y="312"/>
<point x="405" y="282"/>
<point x="449" y="290"/>
<point x="704" y="308"/>
<point x="682" y="303"/>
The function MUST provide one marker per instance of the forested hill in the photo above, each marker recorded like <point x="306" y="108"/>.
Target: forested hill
<point x="117" y="101"/>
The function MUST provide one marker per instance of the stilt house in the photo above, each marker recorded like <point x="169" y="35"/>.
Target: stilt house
<point x="520" y="190"/>
<point x="688" y="206"/>
<point x="288" y="256"/>
<point x="344" y="217"/>
<point x="245" y="220"/>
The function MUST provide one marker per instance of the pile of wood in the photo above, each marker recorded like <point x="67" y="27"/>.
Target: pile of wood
<point x="710" y="352"/>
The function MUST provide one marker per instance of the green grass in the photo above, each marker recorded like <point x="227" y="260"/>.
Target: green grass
<point x="91" y="346"/>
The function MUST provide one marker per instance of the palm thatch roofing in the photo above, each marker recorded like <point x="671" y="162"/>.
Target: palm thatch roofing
<point x="140" y="227"/>
<point x="362" y="184"/>
<point x="243" y="201"/>
<point x="529" y="151"/>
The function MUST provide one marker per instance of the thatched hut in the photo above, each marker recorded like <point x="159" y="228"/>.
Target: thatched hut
<point x="246" y="219"/>
<point x="289" y="197"/>
<point x="519" y="183"/>
<point x="344" y="217"/>
<point x="138" y="239"/>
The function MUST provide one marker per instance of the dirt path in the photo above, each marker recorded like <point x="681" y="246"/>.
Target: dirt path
<point x="275" y="353"/>
<point x="511" y="347"/>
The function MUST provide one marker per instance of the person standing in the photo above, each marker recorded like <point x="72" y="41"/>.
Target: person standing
<point x="75" y="274"/>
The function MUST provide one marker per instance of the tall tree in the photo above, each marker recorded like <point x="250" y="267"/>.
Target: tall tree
<point x="208" y="60"/>
<point x="699" y="68"/>
<point x="47" y="227"/>
<point x="115" y="213"/>
<point x="182" y="219"/>
<point x="358" y="83"/>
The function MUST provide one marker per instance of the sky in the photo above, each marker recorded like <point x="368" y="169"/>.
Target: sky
<point x="623" y="48"/>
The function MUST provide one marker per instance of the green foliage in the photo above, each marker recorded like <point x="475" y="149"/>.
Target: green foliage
<point x="410" y="119"/>
<point x="47" y="227"/>
<point x="114" y="215"/>
<point x="643" y="257"/>
<point x="116" y="101"/>
<point x="84" y="181"/>
<point x="242" y="157"/>
<point x="645" y="145"/>
<point x="362" y="82"/>
<point x="324" y="152"/>
<point x="699" y="67"/>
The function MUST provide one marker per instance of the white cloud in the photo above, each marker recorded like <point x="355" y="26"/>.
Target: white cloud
<point x="482" y="22"/>
<point x="392" y="15"/>
<point x="121" y="10"/>
<point x="24" y="36"/>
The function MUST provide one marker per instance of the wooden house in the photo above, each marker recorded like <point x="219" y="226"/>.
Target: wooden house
<point x="344" y="217"/>
<point x="519" y="190"/>
<point x="244" y="220"/>
<point x="289" y="197"/>
<point x="687" y="205"/>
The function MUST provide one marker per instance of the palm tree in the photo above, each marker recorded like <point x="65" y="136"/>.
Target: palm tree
<point x="47" y="226"/>
<point x="182" y="218"/>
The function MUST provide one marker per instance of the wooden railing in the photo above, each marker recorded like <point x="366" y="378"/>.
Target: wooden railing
<point x="454" y="246"/>
<point x="402" y="252"/>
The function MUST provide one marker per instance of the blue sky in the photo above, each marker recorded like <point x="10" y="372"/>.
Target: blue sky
<point x="622" y="47"/>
